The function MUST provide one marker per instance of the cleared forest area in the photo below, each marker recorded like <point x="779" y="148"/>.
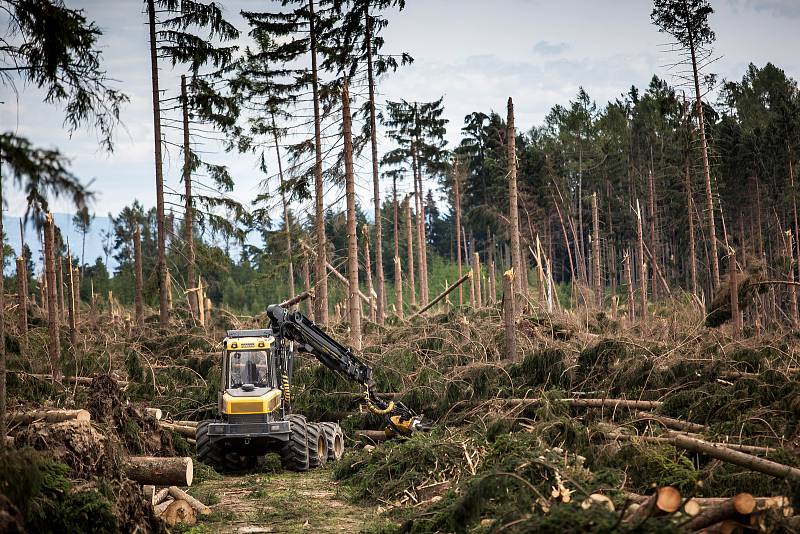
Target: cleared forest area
<point x="586" y="325"/>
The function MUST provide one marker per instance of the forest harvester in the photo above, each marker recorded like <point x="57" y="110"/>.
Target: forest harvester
<point x="255" y="412"/>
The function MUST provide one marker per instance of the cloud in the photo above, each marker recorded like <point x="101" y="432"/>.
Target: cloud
<point x="547" y="48"/>
<point x="781" y="8"/>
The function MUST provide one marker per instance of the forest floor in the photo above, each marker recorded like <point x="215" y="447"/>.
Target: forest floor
<point x="280" y="502"/>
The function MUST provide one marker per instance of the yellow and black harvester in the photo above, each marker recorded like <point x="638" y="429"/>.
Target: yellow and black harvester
<point x="255" y="415"/>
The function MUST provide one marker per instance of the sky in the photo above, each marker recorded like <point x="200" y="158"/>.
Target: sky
<point x="475" y="53"/>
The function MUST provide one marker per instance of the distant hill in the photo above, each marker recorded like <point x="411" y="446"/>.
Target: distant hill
<point x="94" y="245"/>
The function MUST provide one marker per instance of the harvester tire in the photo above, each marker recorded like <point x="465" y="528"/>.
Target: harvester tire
<point x="207" y="453"/>
<point x="317" y="446"/>
<point x="294" y="453"/>
<point x="335" y="439"/>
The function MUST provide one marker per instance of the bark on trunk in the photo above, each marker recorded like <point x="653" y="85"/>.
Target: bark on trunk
<point x="73" y="310"/>
<point x="443" y="294"/>
<point x="159" y="471"/>
<point x="476" y="269"/>
<point x="420" y="223"/>
<point x="690" y="217"/>
<point x="321" y="281"/>
<point x="22" y="299"/>
<point x="734" y="291"/>
<point x="54" y="347"/>
<point x="410" y="246"/>
<point x="139" y="282"/>
<point x="598" y="287"/>
<point x="642" y="261"/>
<point x="188" y="211"/>
<point x="712" y="232"/>
<point x="741" y="459"/>
<point x="665" y="500"/>
<point x="49" y="416"/>
<point x="352" y="239"/>
<point x="376" y="192"/>
<point x="513" y="210"/>
<point x="373" y="316"/>
<point x="674" y="424"/>
<point x="307" y="283"/>
<point x="457" y="202"/>
<point x="60" y="272"/>
<point x="286" y="222"/>
<point x="179" y="494"/>
<point x="161" y="262"/>
<point x="398" y="287"/>
<point x="792" y="287"/>
<point x="509" y="314"/>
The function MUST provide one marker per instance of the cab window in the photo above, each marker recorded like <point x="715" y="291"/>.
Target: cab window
<point x="248" y="367"/>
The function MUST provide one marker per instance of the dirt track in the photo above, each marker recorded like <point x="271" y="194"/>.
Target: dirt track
<point x="283" y="502"/>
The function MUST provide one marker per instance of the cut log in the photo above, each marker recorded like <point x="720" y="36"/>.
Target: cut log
<point x="159" y="508"/>
<point x="159" y="471"/>
<point x="179" y="512"/>
<point x="184" y="423"/>
<point x="665" y="500"/>
<point x="726" y="454"/>
<point x="308" y="294"/>
<point x="49" y="416"/>
<point x="199" y="507"/>
<point x="371" y="436"/>
<point x="155" y="412"/>
<point x="674" y="424"/>
<point x="742" y="504"/>
<point x="186" y="431"/>
<point x="80" y="380"/>
<point x="590" y="403"/>
<point x="161" y="496"/>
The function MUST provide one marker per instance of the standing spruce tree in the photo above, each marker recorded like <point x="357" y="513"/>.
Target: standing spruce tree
<point x="174" y="35"/>
<point x="687" y="22"/>
<point x="82" y="221"/>
<point x="360" y="44"/>
<point x="304" y="32"/>
<point x="418" y="129"/>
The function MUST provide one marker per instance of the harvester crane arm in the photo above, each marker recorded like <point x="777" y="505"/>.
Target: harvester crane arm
<point x="309" y="338"/>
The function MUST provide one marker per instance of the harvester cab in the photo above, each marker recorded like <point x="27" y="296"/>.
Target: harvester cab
<point x="254" y="401"/>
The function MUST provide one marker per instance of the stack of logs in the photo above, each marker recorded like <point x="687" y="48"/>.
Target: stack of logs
<point x="173" y="505"/>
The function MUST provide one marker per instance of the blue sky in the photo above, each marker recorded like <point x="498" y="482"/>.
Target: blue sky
<point x="474" y="52"/>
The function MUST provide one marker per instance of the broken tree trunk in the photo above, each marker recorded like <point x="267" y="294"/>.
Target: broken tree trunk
<point x="741" y="504"/>
<point x="674" y="424"/>
<point x="457" y="207"/>
<point x="159" y="471"/>
<point x="73" y="308"/>
<point x="410" y="248"/>
<point x="305" y="295"/>
<point x="626" y="261"/>
<point x="642" y="262"/>
<point x="54" y="346"/>
<point x="443" y="294"/>
<point x="22" y="301"/>
<point x="476" y="270"/>
<point x="792" y="288"/>
<point x="307" y="283"/>
<point x="665" y="500"/>
<point x="590" y="403"/>
<point x="373" y="311"/>
<point x="139" y="283"/>
<point x="737" y="319"/>
<point x="509" y="314"/>
<point x="49" y="416"/>
<point x="596" y="275"/>
<point x="375" y="436"/>
<point x="398" y="287"/>
<point x="513" y="208"/>
<point x="726" y="454"/>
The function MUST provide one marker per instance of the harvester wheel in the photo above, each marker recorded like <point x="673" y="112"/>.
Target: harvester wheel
<point x="207" y="453"/>
<point x="335" y="439"/>
<point x="317" y="446"/>
<point x="294" y="453"/>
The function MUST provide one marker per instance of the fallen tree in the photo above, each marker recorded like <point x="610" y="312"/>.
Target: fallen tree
<point x="49" y="416"/>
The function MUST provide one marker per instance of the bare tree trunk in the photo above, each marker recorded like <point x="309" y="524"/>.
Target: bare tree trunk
<point x="410" y="265"/>
<point x="598" y="287"/>
<point x="476" y="269"/>
<point x="307" y="283"/>
<point x="794" y="214"/>
<point x="320" y="278"/>
<point x="651" y="206"/>
<point x="734" y="291"/>
<point x="712" y="231"/>
<point x="626" y="260"/>
<point x="352" y="239"/>
<point x="54" y="347"/>
<point x="509" y="314"/>
<point x="75" y="280"/>
<point x="286" y="222"/>
<point x="642" y="260"/>
<point x="457" y="202"/>
<point x="60" y="273"/>
<point x="420" y="225"/>
<point x="73" y="334"/>
<point x="22" y="300"/>
<point x="513" y="216"/>
<point x="376" y="192"/>
<point x="161" y="263"/>
<point x="690" y="213"/>
<point x="139" y="277"/>
<point x="373" y="312"/>
<point x="398" y="269"/>
<point x="188" y="215"/>
<point x="792" y="287"/>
